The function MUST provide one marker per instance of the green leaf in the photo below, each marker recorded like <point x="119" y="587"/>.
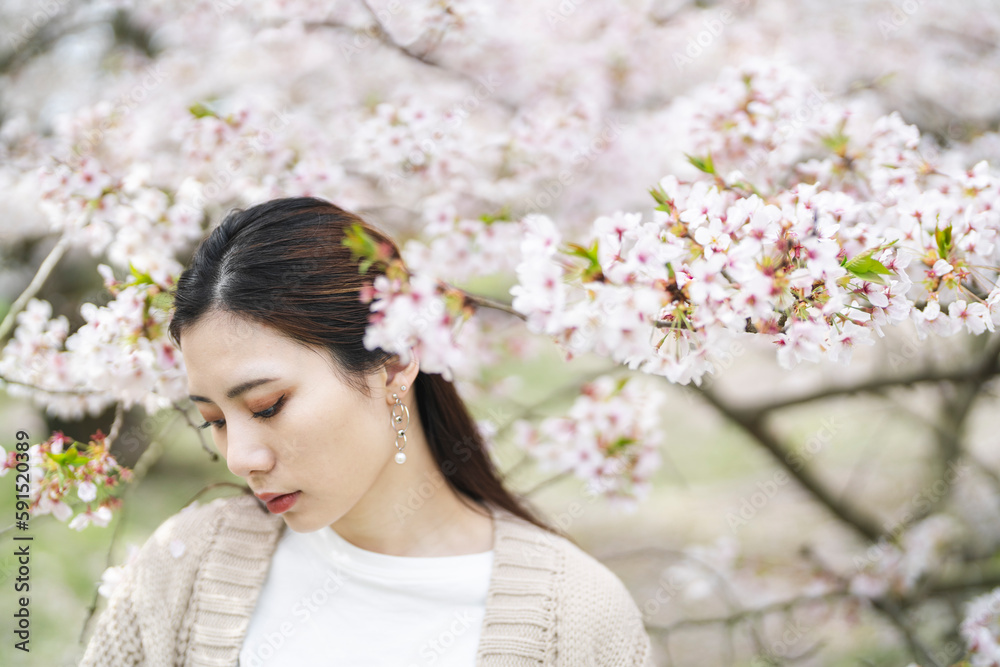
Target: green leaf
<point x="68" y="457"/>
<point x="139" y="278"/>
<point x="502" y="216"/>
<point x="362" y="246"/>
<point x="704" y="164"/>
<point x="836" y="142"/>
<point x="618" y="445"/>
<point x="662" y="203"/>
<point x="943" y="238"/>
<point x="658" y="195"/>
<point x="162" y="301"/>
<point x="866" y="267"/>
<point x="593" y="268"/>
<point x="199" y="110"/>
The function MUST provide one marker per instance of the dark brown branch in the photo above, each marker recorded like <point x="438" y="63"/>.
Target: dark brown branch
<point x="920" y="651"/>
<point x="92" y="609"/>
<point x="753" y="612"/>
<point x="752" y="424"/>
<point x="983" y="371"/>
<point x="198" y="432"/>
<point x="486" y="302"/>
<point x="737" y="611"/>
<point x="976" y="575"/>
<point x="956" y="407"/>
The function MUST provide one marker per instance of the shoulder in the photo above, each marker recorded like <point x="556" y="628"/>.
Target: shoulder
<point x="597" y="614"/>
<point x="196" y="524"/>
<point x="142" y="623"/>
<point x="183" y="540"/>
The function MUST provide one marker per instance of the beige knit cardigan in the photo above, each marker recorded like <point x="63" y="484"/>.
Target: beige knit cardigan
<point x="186" y="599"/>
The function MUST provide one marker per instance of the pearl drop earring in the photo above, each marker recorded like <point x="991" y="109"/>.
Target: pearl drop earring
<point x="396" y="419"/>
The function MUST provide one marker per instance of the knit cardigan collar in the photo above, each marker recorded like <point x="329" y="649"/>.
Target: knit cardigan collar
<point x="519" y="619"/>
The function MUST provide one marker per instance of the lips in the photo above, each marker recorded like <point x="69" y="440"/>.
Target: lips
<point x="279" y="502"/>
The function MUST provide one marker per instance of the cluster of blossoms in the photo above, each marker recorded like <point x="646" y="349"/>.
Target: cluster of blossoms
<point x="410" y="145"/>
<point x="69" y="477"/>
<point x="897" y="569"/>
<point x="132" y="222"/>
<point x="816" y="267"/>
<point x="120" y="354"/>
<point x="610" y="438"/>
<point x="409" y="314"/>
<point x="981" y="629"/>
<point x="869" y="234"/>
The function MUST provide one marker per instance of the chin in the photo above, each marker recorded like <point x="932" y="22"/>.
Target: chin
<point x="305" y="523"/>
<point x="301" y="524"/>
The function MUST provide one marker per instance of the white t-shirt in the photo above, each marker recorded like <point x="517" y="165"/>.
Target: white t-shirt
<point x="328" y="602"/>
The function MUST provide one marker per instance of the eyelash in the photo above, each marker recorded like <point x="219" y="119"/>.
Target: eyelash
<point x="257" y="415"/>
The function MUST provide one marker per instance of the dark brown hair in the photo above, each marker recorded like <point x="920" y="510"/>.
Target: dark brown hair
<point x="282" y="263"/>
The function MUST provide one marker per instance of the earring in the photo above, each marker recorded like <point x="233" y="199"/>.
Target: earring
<point x="396" y="419"/>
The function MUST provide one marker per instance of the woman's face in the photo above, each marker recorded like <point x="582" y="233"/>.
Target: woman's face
<point x="284" y="421"/>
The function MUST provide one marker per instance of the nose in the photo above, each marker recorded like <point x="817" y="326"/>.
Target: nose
<point x="246" y="454"/>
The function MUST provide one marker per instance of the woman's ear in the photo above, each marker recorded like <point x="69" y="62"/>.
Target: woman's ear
<point x="399" y="374"/>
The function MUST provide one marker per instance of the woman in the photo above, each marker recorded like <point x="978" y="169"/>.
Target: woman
<point x="404" y="547"/>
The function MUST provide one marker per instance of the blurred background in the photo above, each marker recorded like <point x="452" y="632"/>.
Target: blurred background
<point x="833" y="514"/>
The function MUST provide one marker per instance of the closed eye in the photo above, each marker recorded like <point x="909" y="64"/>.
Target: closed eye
<point x="265" y="414"/>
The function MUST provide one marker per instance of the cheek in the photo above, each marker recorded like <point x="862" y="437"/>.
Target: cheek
<point x="336" y="438"/>
<point x="219" y="441"/>
<point x="350" y="456"/>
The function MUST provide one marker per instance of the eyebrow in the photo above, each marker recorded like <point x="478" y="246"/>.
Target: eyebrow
<point x="241" y="388"/>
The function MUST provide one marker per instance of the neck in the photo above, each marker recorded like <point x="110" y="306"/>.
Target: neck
<point x="411" y="510"/>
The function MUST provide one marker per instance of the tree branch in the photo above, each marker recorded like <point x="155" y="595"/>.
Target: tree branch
<point x="71" y="392"/>
<point x="197" y="431"/>
<point x="48" y="264"/>
<point x="920" y="651"/>
<point x="487" y="302"/>
<point x="746" y="614"/>
<point x="983" y="370"/>
<point x="752" y="425"/>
